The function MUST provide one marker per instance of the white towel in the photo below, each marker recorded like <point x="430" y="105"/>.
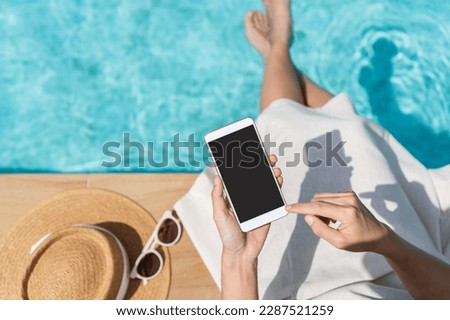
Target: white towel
<point x="392" y="184"/>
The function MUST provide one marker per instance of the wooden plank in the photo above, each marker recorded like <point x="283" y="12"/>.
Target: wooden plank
<point x="20" y="192"/>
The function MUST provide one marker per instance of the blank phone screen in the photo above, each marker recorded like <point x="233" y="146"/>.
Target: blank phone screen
<point x="246" y="173"/>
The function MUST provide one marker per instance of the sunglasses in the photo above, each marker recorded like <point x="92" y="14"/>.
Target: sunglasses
<point x="150" y="262"/>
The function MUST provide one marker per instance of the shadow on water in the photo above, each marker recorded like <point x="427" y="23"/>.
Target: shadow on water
<point x="414" y="134"/>
<point x="303" y="243"/>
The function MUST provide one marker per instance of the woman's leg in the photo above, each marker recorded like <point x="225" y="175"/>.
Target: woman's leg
<point x="280" y="77"/>
<point x="315" y="96"/>
<point x="270" y="34"/>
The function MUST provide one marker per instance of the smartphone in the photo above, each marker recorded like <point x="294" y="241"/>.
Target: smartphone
<point x="248" y="178"/>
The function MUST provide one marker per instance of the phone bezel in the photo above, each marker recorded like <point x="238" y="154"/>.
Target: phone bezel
<point x="263" y="218"/>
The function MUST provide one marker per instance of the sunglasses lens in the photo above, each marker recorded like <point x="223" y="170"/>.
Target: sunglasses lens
<point x="149" y="265"/>
<point x="168" y="232"/>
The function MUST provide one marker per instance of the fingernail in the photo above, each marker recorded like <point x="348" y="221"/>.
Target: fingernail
<point x="288" y="207"/>
<point x="309" y="220"/>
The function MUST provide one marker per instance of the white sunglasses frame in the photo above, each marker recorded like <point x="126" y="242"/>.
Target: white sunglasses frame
<point x="151" y="245"/>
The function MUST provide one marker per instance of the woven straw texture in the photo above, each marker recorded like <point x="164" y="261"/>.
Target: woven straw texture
<point x="78" y="263"/>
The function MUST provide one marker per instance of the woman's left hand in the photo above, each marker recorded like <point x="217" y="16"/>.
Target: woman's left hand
<point x="235" y="242"/>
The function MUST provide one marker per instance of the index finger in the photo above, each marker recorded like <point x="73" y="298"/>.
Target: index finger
<point x="318" y="208"/>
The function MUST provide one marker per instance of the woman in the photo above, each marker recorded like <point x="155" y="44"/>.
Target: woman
<point x="359" y="231"/>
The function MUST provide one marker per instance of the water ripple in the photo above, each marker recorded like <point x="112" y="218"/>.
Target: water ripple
<point x="75" y="74"/>
<point x="394" y="59"/>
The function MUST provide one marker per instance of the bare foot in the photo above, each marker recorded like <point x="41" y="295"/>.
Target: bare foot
<point x="257" y="32"/>
<point x="279" y="20"/>
<point x="262" y="30"/>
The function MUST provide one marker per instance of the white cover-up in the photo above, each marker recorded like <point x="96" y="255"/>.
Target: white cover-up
<point x="393" y="185"/>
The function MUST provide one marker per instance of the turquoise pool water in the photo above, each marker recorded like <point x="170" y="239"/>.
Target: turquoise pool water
<point x="77" y="74"/>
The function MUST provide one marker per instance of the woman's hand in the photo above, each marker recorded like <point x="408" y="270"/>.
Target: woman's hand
<point x="235" y="242"/>
<point x="359" y="229"/>
<point x="425" y="276"/>
<point x="240" y="250"/>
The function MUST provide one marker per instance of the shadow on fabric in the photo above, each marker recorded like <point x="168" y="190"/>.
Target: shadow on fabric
<point x="302" y="244"/>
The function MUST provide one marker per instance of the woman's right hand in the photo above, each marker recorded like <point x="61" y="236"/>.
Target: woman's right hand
<point x="359" y="229"/>
<point x="425" y="276"/>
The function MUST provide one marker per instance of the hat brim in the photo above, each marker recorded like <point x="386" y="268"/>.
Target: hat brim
<point x="126" y="219"/>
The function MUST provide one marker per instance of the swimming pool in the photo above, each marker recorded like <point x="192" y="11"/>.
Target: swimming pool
<point x="75" y="75"/>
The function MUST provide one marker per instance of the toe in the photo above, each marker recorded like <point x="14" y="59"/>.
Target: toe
<point x="249" y="16"/>
<point x="257" y="19"/>
<point x="260" y="22"/>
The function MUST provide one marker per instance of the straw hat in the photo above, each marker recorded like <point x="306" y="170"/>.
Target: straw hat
<point x="70" y="247"/>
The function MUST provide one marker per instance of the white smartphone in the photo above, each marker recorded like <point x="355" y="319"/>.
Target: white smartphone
<point x="248" y="179"/>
